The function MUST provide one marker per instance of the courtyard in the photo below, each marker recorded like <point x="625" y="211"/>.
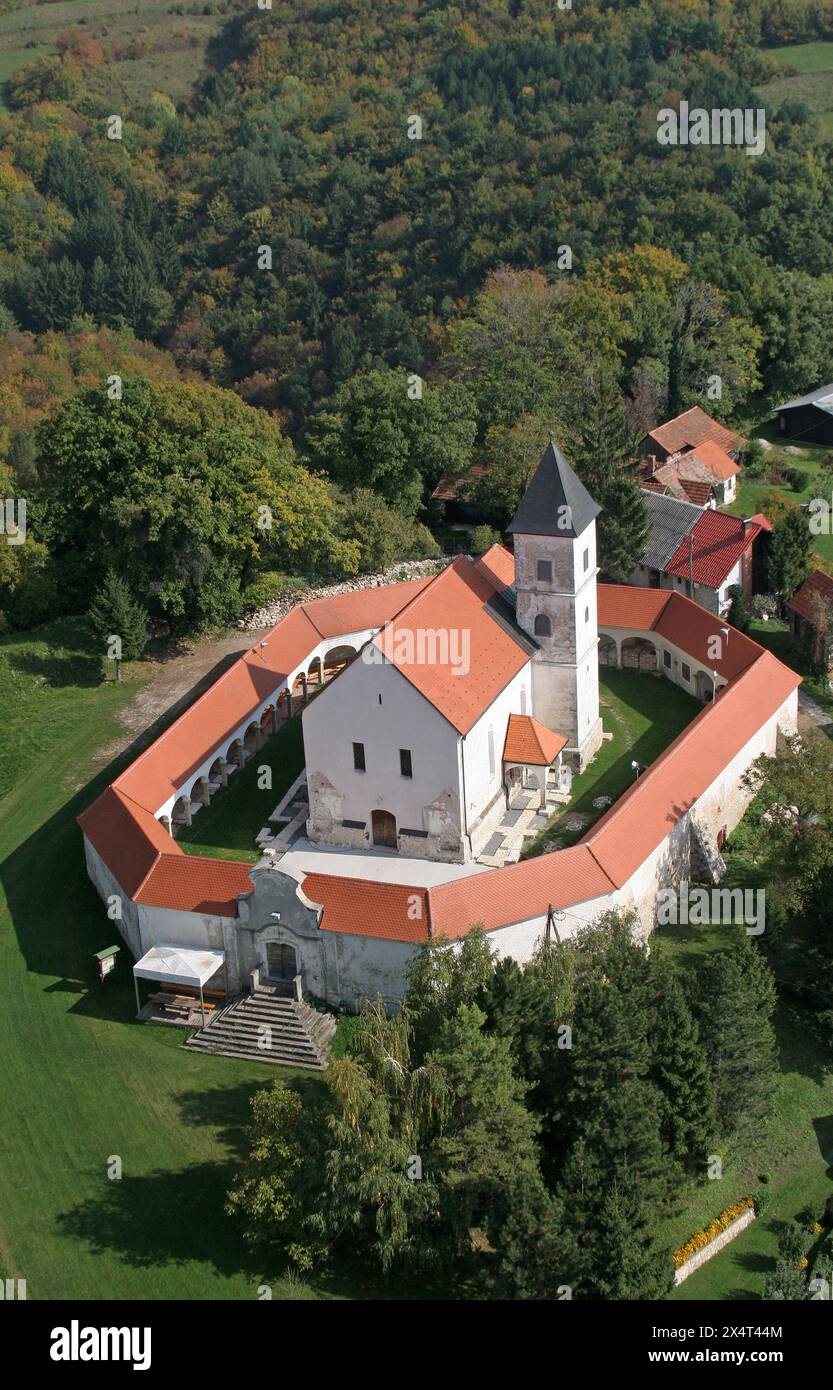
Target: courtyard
<point x="642" y="714"/>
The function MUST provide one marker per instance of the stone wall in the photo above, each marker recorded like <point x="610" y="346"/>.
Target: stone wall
<point x="283" y="603"/>
<point x="701" y="1257"/>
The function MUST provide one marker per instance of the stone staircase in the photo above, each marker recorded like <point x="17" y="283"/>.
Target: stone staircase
<point x="264" y="1027"/>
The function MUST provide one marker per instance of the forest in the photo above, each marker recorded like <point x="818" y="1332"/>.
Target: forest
<point x="356" y="197"/>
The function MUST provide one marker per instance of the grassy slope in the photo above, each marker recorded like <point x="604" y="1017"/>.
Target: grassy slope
<point x="174" y="44"/>
<point x="80" y="1080"/>
<point x="793" y="1148"/>
<point x="644" y="713"/>
<point x="811" y="85"/>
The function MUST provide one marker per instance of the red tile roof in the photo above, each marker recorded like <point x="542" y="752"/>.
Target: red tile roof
<point x="128" y="837"/>
<point x="191" y="883"/>
<point x="816" y="586"/>
<point x="363" y="608"/>
<point x="366" y="907"/>
<point x="715" y="459"/>
<point x="454" y="487"/>
<point x="680" y="621"/>
<point x="454" y="603"/>
<point x="499" y="565"/>
<point x="640" y="820"/>
<point x="528" y="741"/>
<point x="516" y="893"/>
<point x="625" y="605"/>
<point x="719" y="542"/>
<point x="692" y="428"/>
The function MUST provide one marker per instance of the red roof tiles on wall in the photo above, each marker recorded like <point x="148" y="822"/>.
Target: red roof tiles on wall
<point x="367" y="907"/>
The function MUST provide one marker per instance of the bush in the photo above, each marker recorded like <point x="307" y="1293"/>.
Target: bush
<point x="267" y="587"/>
<point x="764" y="606"/>
<point x="754" y="459"/>
<point x="787" y="1283"/>
<point x="793" y="1244"/>
<point x="481" y="538"/>
<point x="793" y="478"/>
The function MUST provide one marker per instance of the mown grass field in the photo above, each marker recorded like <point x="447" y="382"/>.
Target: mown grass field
<point x="644" y="713"/>
<point x="751" y="495"/>
<point x="811" y="84"/>
<point x="81" y="1081"/>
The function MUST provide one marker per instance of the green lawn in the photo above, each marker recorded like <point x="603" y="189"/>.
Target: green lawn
<point x="81" y="1081"/>
<point x="227" y="828"/>
<point x="792" y="1149"/>
<point x="810" y="84"/>
<point x="644" y="713"/>
<point x="751" y="493"/>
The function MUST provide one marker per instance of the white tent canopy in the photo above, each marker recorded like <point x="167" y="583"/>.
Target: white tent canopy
<point x="178" y="965"/>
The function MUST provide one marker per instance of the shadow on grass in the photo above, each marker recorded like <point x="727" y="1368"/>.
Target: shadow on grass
<point x="165" y="1219"/>
<point x="55" y="910"/>
<point x="60" y="670"/>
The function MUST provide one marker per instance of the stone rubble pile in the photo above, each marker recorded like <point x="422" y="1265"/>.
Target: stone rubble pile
<point x="280" y="606"/>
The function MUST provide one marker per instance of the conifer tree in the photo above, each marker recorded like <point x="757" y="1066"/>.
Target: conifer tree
<point x="680" y="1071"/>
<point x="115" y="613"/>
<point x="735" y="1002"/>
<point x="488" y="1137"/>
<point x="526" y="1231"/>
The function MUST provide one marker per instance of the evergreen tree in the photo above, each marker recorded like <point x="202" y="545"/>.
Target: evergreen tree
<point x="526" y="1232"/>
<point x="623" y="528"/>
<point x="680" y="1071"/>
<point x="789" y="554"/>
<point x="629" y="1261"/>
<point x="739" y="615"/>
<point x="114" y="612"/>
<point x="487" y="1140"/>
<point x="734" y="1003"/>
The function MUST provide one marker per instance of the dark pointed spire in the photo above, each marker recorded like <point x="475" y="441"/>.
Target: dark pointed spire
<point x="555" y="503"/>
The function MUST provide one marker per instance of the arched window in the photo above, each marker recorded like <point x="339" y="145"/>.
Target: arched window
<point x="543" y="626"/>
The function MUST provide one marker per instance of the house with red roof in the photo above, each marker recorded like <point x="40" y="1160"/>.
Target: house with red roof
<point x="706" y="475"/>
<point x="701" y="552"/>
<point x="811" y="615"/>
<point x="690" y="430"/>
<point x="483" y="676"/>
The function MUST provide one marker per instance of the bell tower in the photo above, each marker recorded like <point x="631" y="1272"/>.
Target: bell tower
<point x="554" y="532"/>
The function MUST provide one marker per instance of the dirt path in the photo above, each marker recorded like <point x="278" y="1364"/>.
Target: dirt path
<point x="175" y="682"/>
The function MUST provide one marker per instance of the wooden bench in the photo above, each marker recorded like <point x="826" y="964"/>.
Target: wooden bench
<point x="180" y="1003"/>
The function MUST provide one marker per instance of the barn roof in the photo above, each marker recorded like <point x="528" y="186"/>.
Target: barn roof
<point x="821" y="397"/>
<point x="670" y="521"/>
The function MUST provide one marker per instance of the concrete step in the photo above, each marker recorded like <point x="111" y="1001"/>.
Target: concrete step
<point x="299" y="1035"/>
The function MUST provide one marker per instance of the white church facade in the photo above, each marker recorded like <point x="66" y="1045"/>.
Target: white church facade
<point x="409" y="748"/>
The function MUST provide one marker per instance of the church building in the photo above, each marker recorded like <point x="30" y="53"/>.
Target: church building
<point x="415" y="746"/>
